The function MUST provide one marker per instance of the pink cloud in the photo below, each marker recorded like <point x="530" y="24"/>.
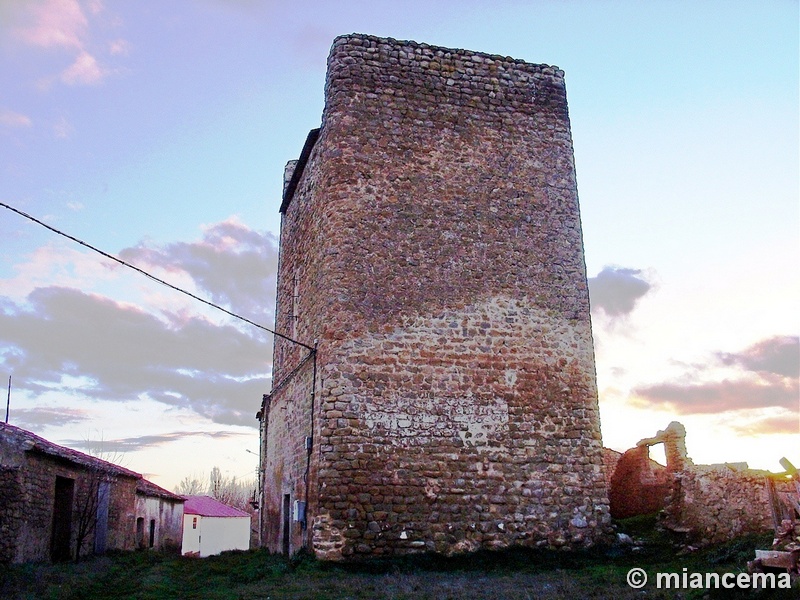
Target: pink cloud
<point x="55" y="23"/>
<point x="119" y="47"/>
<point x="95" y="6"/>
<point x="84" y="70"/>
<point x="9" y="118"/>
<point x="63" y="129"/>
<point x="63" y="25"/>
<point x="787" y="423"/>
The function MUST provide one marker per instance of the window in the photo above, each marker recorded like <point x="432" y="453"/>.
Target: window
<point x="194" y="522"/>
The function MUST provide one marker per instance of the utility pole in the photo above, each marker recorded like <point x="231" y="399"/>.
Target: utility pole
<point x="8" y="398"/>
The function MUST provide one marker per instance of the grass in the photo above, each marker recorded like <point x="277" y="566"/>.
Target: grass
<point x="511" y="574"/>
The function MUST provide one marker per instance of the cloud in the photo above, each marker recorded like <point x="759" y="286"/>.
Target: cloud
<point x="769" y="379"/>
<point x="9" y="118"/>
<point x="63" y="129"/>
<point x="615" y="290"/>
<point x="56" y="23"/>
<point x="84" y="71"/>
<point x="779" y="355"/>
<point x="35" y="418"/>
<point x="119" y="47"/>
<point x="124" y="353"/>
<point x="787" y="424"/>
<point x="60" y="338"/>
<point x="721" y="396"/>
<point x="143" y="442"/>
<point x="63" y="25"/>
<point x="237" y="266"/>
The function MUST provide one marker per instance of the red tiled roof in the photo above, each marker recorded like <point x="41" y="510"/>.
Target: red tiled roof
<point x="206" y="506"/>
<point x="148" y="488"/>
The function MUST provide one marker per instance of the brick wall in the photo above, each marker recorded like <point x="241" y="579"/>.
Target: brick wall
<point x="433" y="248"/>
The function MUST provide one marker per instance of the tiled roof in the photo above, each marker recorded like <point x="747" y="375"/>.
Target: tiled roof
<point x="30" y="442"/>
<point x="206" y="506"/>
<point x="148" y="488"/>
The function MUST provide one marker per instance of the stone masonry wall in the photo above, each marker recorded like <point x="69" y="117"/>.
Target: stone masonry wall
<point x="11" y="512"/>
<point x="27" y="491"/>
<point x="638" y="486"/>
<point x="713" y="504"/>
<point x="433" y="248"/>
<point x="287" y="424"/>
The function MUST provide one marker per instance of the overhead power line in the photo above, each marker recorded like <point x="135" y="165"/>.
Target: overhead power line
<point x="153" y="277"/>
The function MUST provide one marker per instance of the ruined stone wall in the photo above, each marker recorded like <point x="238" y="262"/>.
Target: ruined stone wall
<point x="714" y="504"/>
<point x="610" y="460"/>
<point x="433" y="247"/>
<point x="638" y="486"/>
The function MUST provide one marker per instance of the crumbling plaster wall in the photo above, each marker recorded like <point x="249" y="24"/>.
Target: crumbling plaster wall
<point x="433" y="248"/>
<point x="168" y="515"/>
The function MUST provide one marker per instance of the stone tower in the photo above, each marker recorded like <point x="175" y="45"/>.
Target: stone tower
<point x="431" y="248"/>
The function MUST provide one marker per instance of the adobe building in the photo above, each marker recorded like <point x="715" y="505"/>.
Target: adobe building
<point x="443" y="395"/>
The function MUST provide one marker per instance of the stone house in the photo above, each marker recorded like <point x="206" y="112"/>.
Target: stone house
<point x="433" y="381"/>
<point x="57" y="503"/>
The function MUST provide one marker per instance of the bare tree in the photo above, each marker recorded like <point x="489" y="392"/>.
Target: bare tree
<point x="192" y="485"/>
<point x="228" y="490"/>
<point x="93" y="495"/>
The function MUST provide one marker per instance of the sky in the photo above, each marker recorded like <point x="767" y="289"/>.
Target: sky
<point x="158" y="132"/>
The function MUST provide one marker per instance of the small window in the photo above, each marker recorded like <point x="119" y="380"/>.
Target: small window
<point x="194" y="522"/>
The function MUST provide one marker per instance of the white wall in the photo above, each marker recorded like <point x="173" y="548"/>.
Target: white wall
<point x="168" y="516"/>
<point x="215" y="534"/>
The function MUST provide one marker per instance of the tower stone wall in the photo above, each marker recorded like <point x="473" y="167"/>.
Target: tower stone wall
<point x="431" y="247"/>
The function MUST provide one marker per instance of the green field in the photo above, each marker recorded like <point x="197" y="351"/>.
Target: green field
<point x="513" y="574"/>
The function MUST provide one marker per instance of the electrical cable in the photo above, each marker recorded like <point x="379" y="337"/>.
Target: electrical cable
<point x="153" y="277"/>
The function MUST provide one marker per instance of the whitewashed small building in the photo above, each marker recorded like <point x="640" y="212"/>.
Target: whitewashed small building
<point x="211" y="527"/>
<point x="159" y="518"/>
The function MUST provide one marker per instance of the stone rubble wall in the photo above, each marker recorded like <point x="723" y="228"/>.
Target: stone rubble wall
<point x="714" y="504"/>
<point x="639" y="486"/>
<point x="11" y="512"/>
<point x="27" y="489"/>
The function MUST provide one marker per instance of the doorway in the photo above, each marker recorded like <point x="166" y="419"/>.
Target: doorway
<point x="287" y="522"/>
<point x="62" y="519"/>
<point x="140" y="533"/>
